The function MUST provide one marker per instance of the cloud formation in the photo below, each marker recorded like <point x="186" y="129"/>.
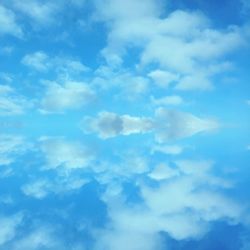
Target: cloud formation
<point x="70" y="95"/>
<point x="9" y="25"/>
<point x="167" y="125"/>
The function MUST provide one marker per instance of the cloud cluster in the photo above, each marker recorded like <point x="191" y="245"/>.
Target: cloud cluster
<point x="59" y="98"/>
<point x="11" y="146"/>
<point x="181" y="44"/>
<point x="167" y="125"/>
<point x="12" y="103"/>
<point x="108" y="125"/>
<point x="9" y="227"/>
<point x="60" y="153"/>
<point x="183" y="204"/>
<point x="9" y="24"/>
<point x="42" y="62"/>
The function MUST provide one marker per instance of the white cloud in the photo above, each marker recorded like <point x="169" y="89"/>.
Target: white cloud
<point x="163" y="78"/>
<point x="186" y="199"/>
<point x="195" y="81"/>
<point x="109" y="124"/>
<point x="40" y="188"/>
<point x="162" y="172"/>
<point x="41" y="237"/>
<point x="62" y="97"/>
<point x="129" y="85"/>
<point x="173" y="100"/>
<point x="42" y="13"/>
<point x="10" y="147"/>
<point x="9" y="25"/>
<point x="60" y="153"/>
<point x="37" y="60"/>
<point x="11" y="103"/>
<point x="167" y="125"/>
<point x="167" y="149"/>
<point x="40" y="61"/>
<point x="170" y="124"/>
<point x="9" y="226"/>
<point x="180" y="44"/>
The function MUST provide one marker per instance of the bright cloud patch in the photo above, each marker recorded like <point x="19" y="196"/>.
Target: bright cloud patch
<point x="62" y="97"/>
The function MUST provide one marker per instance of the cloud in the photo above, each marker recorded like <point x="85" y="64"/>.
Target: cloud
<point x="11" y="146"/>
<point x="128" y="84"/>
<point x="108" y="125"/>
<point x="176" y="46"/>
<point x="167" y="125"/>
<point x="9" y="227"/>
<point x="37" y="60"/>
<point x="9" y="25"/>
<point x="167" y="149"/>
<point x="59" y="98"/>
<point x="42" y="13"/>
<point x="196" y="81"/>
<point x="163" y="78"/>
<point x="11" y="103"/>
<point x="42" y="62"/>
<point x="41" y="237"/>
<point x="40" y="188"/>
<point x="67" y="155"/>
<point x="186" y="199"/>
<point x="171" y="125"/>
<point x="162" y="172"/>
<point x="173" y="100"/>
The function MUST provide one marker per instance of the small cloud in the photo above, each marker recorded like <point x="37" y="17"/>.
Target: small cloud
<point x="10" y="226"/>
<point x="11" y="103"/>
<point x="62" y="154"/>
<point x="163" y="172"/>
<point x="108" y="125"/>
<point x="59" y="98"/>
<point x="173" y="100"/>
<point x="9" y="25"/>
<point x="171" y="125"/>
<point x="42" y="62"/>
<point x="163" y="78"/>
<point x="167" y="149"/>
<point x="41" y="13"/>
<point x="194" y="82"/>
<point x="38" y="60"/>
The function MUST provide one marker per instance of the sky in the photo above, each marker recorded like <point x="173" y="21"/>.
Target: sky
<point x="124" y="125"/>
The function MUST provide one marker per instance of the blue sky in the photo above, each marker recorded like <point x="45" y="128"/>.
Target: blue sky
<point x="124" y="125"/>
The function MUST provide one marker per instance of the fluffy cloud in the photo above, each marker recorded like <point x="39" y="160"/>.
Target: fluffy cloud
<point x="40" y="188"/>
<point x="9" y="25"/>
<point x="186" y="199"/>
<point x="167" y="125"/>
<point x="60" y="153"/>
<point x="42" y="13"/>
<point x="41" y="237"/>
<point x="11" y="103"/>
<point x="170" y="124"/>
<point x="9" y="227"/>
<point x="167" y="100"/>
<point x="163" y="78"/>
<point x="10" y="147"/>
<point x="130" y="85"/>
<point x="180" y="44"/>
<point x="167" y="149"/>
<point x="40" y="61"/>
<point x="62" y="97"/>
<point x="108" y="125"/>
